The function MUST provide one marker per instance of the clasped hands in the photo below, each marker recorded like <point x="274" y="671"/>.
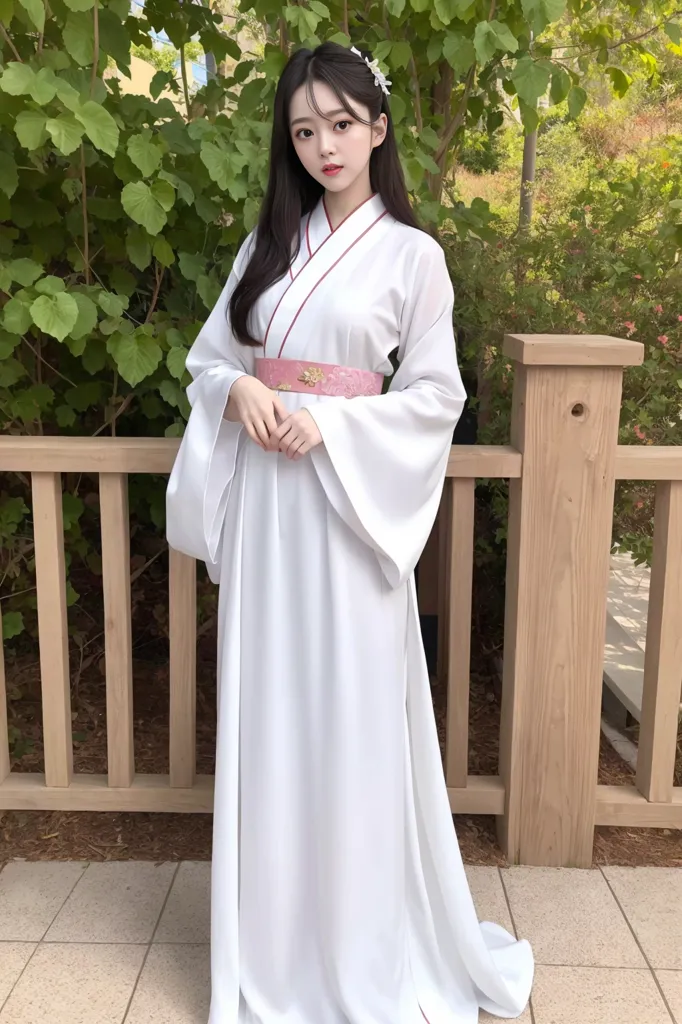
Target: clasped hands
<point x="268" y="422"/>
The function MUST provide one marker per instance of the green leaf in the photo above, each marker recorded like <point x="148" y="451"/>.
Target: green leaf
<point x="531" y="80"/>
<point x="11" y="371"/>
<point x="9" y="176"/>
<point x="12" y="625"/>
<point x="144" y="153"/>
<point x="175" y="361"/>
<point x="217" y="162"/>
<point x="65" y="416"/>
<point x="160" y="81"/>
<point x="394" y="7"/>
<point x="673" y="32"/>
<point x="183" y="189"/>
<point x="6" y="11"/>
<point x="69" y="96"/>
<point x="79" y="5"/>
<point x="164" y="193"/>
<point x="529" y="116"/>
<point x="541" y="13"/>
<point x="16" y="316"/>
<point x="319" y="8"/>
<point x="427" y="161"/>
<point x="620" y="81"/>
<point x="113" y="36"/>
<point x="138" y="247"/>
<point x="491" y="36"/>
<point x="30" y="129"/>
<point x="79" y="37"/>
<point x="36" y="12"/>
<point x="434" y="49"/>
<point x="55" y="315"/>
<point x="44" y="86"/>
<point x="561" y="83"/>
<point x="25" y="271"/>
<point x="100" y="126"/>
<point x="401" y="55"/>
<point x="143" y="207"/>
<point x="17" y="79"/>
<point x="50" y="285"/>
<point x="209" y="289"/>
<point x="136" y="356"/>
<point x="112" y="304"/>
<point x="163" y="252"/>
<point x="87" y="317"/>
<point x="577" y="99"/>
<point x="459" y="52"/>
<point x="66" y="132"/>
<point x="8" y="343"/>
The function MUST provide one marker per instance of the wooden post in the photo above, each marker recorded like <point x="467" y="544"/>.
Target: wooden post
<point x="183" y="668"/>
<point x="4" y="732"/>
<point x="565" y="415"/>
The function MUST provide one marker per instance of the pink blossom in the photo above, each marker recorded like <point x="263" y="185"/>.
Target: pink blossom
<point x="658" y="309"/>
<point x="637" y="277"/>
<point x="595" y="231"/>
<point x="680" y="317"/>
<point x="587" y="208"/>
<point x="640" y="504"/>
<point x="580" y="316"/>
<point x="663" y="338"/>
<point x="630" y="326"/>
<point x="639" y="432"/>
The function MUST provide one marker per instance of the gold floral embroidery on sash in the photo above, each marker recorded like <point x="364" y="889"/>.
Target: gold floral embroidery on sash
<point x="281" y="387"/>
<point x="312" y="376"/>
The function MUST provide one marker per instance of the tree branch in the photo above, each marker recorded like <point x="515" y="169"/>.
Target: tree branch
<point x="458" y="119"/>
<point x="185" y="86"/>
<point x="155" y="296"/>
<point x="621" y="42"/>
<point x="39" y="356"/>
<point x="95" y="56"/>
<point x="417" y="96"/>
<point x="6" y="36"/>
<point x="121" y="409"/>
<point x="86" y="229"/>
<point x="345" y="18"/>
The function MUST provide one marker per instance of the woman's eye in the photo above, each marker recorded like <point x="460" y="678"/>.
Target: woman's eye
<point x="342" y="125"/>
<point x="304" y="133"/>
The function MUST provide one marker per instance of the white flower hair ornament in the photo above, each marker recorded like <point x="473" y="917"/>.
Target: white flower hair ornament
<point x="373" y="65"/>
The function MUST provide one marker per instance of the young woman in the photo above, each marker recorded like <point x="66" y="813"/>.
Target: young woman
<point x="338" y="891"/>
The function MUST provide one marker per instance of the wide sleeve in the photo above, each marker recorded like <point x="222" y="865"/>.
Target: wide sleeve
<point x="199" y="484"/>
<point x="384" y="458"/>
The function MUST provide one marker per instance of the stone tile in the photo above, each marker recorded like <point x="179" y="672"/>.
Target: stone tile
<point x="671" y="983"/>
<point x="651" y="899"/>
<point x="31" y="896"/>
<point x="75" y="984"/>
<point x="119" y="902"/>
<point x="594" y="995"/>
<point x="174" y="987"/>
<point x="13" y="958"/>
<point x="187" y="914"/>
<point x="488" y="892"/>
<point x="570" y="917"/>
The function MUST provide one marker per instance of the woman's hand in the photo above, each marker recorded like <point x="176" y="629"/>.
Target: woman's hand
<point x="296" y="436"/>
<point x="258" y="408"/>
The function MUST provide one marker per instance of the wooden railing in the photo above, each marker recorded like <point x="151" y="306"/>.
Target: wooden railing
<point x="562" y="466"/>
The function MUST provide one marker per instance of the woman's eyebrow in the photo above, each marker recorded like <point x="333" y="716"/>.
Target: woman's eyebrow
<point x="327" y="116"/>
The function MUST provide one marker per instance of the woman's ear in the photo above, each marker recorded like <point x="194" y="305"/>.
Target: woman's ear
<point x="379" y="129"/>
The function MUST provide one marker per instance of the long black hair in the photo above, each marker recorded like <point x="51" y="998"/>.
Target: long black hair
<point x="291" y="191"/>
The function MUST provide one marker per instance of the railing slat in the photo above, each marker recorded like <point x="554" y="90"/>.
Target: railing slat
<point x="663" y="658"/>
<point x="4" y="734"/>
<point x="48" y="527"/>
<point x="183" y="663"/>
<point x="456" y="575"/>
<point x="113" y="494"/>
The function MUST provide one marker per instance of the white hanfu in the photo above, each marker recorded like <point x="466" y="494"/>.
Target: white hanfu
<point x="338" y="890"/>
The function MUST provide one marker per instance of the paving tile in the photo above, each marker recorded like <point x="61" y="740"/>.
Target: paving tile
<point x="75" y="984"/>
<point x="174" y="987"/>
<point x="485" y="1018"/>
<point x="570" y="918"/>
<point x="31" y="895"/>
<point x="187" y="914"/>
<point x="595" y="995"/>
<point x="13" y="958"/>
<point x="671" y="983"/>
<point x="651" y="899"/>
<point x="488" y="892"/>
<point x="118" y="902"/>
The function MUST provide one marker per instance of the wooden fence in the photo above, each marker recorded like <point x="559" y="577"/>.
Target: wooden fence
<point x="562" y="464"/>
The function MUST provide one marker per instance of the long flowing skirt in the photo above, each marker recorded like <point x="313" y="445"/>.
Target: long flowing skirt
<point x="338" y="891"/>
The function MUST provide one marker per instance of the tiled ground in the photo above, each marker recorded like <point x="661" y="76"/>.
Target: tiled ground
<point x="114" y="943"/>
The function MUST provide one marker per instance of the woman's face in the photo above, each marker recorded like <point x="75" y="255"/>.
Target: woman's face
<point x="334" y="149"/>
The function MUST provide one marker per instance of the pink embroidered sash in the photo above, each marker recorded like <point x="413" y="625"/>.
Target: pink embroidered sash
<point x="318" y="378"/>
